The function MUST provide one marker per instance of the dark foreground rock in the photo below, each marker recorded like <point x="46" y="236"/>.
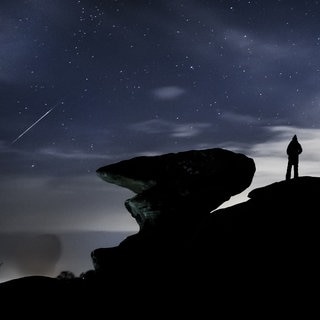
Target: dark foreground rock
<point x="172" y="186"/>
<point x="175" y="192"/>
<point x="256" y="258"/>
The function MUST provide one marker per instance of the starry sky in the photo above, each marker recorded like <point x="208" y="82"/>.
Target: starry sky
<point x="87" y="83"/>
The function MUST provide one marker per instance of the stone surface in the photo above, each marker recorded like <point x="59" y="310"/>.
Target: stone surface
<point x="175" y="192"/>
<point x="277" y="227"/>
<point x="179" y="184"/>
<point x="256" y="256"/>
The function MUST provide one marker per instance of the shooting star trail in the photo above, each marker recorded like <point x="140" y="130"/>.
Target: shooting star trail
<point x="29" y="128"/>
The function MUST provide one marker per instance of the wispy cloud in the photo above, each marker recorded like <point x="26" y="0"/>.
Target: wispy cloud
<point x="248" y="43"/>
<point x="157" y="126"/>
<point x="72" y="154"/>
<point x="168" y="93"/>
<point x="189" y="130"/>
<point x="271" y="159"/>
<point x="240" y="118"/>
<point x="55" y="153"/>
<point x="63" y="203"/>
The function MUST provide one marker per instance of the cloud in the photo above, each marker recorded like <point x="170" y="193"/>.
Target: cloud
<point x="46" y="204"/>
<point x="271" y="159"/>
<point x="189" y="130"/>
<point x="240" y="118"/>
<point x="152" y="126"/>
<point x="157" y="126"/>
<point x="63" y="154"/>
<point x="72" y="155"/>
<point x="49" y="203"/>
<point x="168" y="93"/>
<point x="243" y="41"/>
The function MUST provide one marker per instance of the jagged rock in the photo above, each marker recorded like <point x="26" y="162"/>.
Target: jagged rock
<point x="276" y="230"/>
<point x="259" y="255"/>
<point x="180" y="183"/>
<point x="174" y="192"/>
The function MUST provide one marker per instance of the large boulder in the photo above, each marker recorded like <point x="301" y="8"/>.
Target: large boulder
<point x="179" y="184"/>
<point x="175" y="192"/>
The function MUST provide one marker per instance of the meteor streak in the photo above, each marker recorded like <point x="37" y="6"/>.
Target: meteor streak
<point x="25" y="131"/>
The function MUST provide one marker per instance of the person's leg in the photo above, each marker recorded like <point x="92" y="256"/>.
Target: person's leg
<point x="288" y="174"/>
<point x="295" y="169"/>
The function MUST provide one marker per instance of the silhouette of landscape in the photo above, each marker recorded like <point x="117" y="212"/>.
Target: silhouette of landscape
<point x="257" y="250"/>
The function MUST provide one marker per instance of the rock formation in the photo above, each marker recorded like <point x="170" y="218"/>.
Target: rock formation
<point x="175" y="192"/>
<point x="259" y="256"/>
<point x="177" y="183"/>
<point x="274" y="233"/>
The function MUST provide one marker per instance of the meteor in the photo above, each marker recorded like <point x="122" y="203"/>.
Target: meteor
<point x="36" y="122"/>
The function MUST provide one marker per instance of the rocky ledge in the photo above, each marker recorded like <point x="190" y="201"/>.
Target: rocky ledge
<point x="175" y="192"/>
<point x="259" y="252"/>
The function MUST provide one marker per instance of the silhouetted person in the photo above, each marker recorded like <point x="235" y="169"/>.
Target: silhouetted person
<point x="293" y="150"/>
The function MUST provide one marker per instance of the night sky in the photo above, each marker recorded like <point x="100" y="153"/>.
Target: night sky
<point x="87" y="83"/>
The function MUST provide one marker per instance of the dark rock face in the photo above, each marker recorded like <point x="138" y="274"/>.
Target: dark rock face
<point x="180" y="183"/>
<point x="174" y="193"/>
<point x="257" y="256"/>
<point x="274" y="233"/>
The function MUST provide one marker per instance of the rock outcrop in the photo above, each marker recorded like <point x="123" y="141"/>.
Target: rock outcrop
<point x="178" y="183"/>
<point x="175" y="192"/>
<point x="259" y="256"/>
<point x="274" y="233"/>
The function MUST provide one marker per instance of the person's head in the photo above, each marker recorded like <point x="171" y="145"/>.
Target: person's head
<point x="294" y="137"/>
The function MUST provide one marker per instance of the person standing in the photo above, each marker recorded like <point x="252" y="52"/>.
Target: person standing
<point x="293" y="151"/>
